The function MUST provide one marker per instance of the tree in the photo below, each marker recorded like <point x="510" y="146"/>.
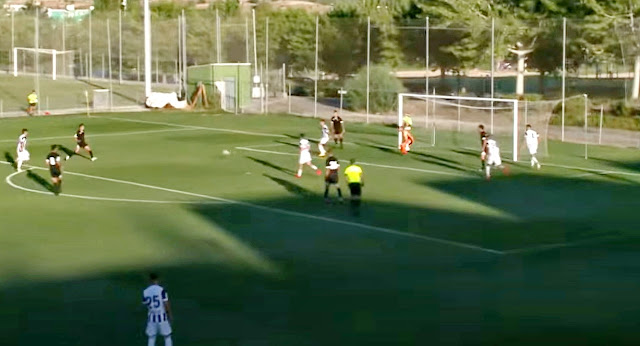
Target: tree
<point x="383" y="95"/>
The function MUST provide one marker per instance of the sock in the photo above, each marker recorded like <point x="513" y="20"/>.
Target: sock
<point x="487" y="170"/>
<point x="19" y="164"/>
<point x="339" y="193"/>
<point x="336" y="141"/>
<point x="91" y="153"/>
<point x="299" y="172"/>
<point x="314" y="167"/>
<point x="168" y="341"/>
<point x="483" y="164"/>
<point x="152" y="341"/>
<point x="535" y="159"/>
<point x="341" y="142"/>
<point x="326" y="192"/>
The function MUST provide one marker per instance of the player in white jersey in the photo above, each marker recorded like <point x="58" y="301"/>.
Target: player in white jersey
<point x="532" y="138"/>
<point x="324" y="139"/>
<point x="305" y="157"/>
<point x="21" y="150"/>
<point x="159" y="315"/>
<point x="493" y="157"/>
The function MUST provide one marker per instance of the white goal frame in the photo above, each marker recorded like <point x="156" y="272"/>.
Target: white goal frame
<point x="514" y="102"/>
<point x="54" y="56"/>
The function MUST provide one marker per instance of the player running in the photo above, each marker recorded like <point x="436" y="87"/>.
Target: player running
<point x="355" y="180"/>
<point x="338" y="128"/>
<point x="305" y="157"/>
<point x="55" y="168"/>
<point x="324" y="139"/>
<point x="81" y="143"/>
<point x="331" y="178"/>
<point x="21" y="150"/>
<point x="493" y="157"/>
<point x="483" y="145"/>
<point x="159" y="316"/>
<point x="532" y="138"/>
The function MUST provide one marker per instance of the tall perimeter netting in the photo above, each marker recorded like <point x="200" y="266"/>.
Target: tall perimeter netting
<point x="453" y="121"/>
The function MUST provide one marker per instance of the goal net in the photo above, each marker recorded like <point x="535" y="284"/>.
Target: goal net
<point x="452" y="121"/>
<point x="49" y="62"/>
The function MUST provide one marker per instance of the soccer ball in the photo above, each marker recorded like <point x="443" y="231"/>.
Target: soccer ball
<point x="226" y="152"/>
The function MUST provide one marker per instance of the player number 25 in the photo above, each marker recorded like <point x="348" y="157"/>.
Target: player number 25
<point x="155" y="300"/>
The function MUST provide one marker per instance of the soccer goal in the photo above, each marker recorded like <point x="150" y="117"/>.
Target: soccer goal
<point x="44" y="61"/>
<point x="446" y="120"/>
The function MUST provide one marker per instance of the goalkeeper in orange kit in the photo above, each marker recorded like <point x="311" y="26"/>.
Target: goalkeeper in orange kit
<point x="407" y="137"/>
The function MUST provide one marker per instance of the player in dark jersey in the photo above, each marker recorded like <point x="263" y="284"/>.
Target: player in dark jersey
<point x="338" y="128"/>
<point x="55" y="168"/>
<point x="483" y="144"/>
<point x="81" y="143"/>
<point x="331" y="177"/>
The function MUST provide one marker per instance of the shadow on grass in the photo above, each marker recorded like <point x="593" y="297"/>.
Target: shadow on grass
<point x="271" y="165"/>
<point x="10" y="159"/>
<point x="290" y="187"/>
<point x="363" y="285"/>
<point x="38" y="179"/>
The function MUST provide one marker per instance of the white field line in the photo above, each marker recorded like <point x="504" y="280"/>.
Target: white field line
<point x="363" y="163"/>
<point x="593" y="170"/>
<point x="547" y="247"/>
<point x="295" y="214"/>
<point x="249" y="133"/>
<point x="9" y="181"/>
<point x="590" y="173"/>
<point x="130" y="133"/>
<point x="264" y="145"/>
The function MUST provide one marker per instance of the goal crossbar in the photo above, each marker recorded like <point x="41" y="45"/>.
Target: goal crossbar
<point x="514" y="102"/>
<point x="53" y="52"/>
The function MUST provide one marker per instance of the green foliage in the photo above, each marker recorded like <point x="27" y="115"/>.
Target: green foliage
<point x="226" y="8"/>
<point x="617" y="114"/>
<point x="383" y="93"/>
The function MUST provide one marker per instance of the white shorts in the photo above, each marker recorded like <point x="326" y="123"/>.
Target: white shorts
<point x="533" y="149"/>
<point x="305" y="157"/>
<point x="494" y="160"/>
<point x="324" y="140"/>
<point x="23" y="155"/>
<point x="155" y="328"/>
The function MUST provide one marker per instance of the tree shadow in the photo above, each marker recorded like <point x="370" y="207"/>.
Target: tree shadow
<point x="71" y="153"/>
<point x="271" y="165"/>
<point x="384" y="149"/>
<point x="295" y="145"/>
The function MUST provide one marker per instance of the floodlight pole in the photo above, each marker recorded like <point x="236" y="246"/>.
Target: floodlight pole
<point x="185" y="76"/>
<point x="64" y="46"/>
<point x="120" y="46"/>
<point x="493" y="64"/>
<point x="246" y="39"/>
<point x="315" y="96"/>
<point x="586" y="111"/>
<point x="343" y="92"/>
<point x="147" y="49"/>
<point x="266" y="67"/>
<point x="109" y="61"/>
<point x="13" y="39"/>
<point x="368" y="61"/>
<point x="426" y="73"/>
<point x="564" y="71"/>
<point x="255" y="45"/>
<point x="90" y="62"/>
<point x="600" y="130"/>
<point x="37" y="55"/>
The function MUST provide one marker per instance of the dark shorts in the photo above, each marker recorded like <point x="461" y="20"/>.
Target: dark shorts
<point x="55" y="173"/>
<point x="332" y="179"/>
<point x="355" y="188"/>
<point x="83" y="144"/>
<point x="33" y="104"/>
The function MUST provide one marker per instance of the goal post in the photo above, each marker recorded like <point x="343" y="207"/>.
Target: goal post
<point x="49" y="61"/>
<point x="464" y="113"/>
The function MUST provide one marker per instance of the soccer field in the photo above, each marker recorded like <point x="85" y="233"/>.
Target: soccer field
<point x="250" y="255"/>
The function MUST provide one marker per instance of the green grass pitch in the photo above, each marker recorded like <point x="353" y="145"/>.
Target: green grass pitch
<point x="252" y="256"/>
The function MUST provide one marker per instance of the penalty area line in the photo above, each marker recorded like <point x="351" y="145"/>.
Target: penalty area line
<point x="130" y="133"/>
<point x="297" y="214"/>
<point x="9" y="181"/>
<point x="195" y="127"/>
<point x="363" y="163"/>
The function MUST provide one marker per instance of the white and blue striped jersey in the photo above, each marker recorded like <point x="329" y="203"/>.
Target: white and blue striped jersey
<point x="154" y="298"/>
